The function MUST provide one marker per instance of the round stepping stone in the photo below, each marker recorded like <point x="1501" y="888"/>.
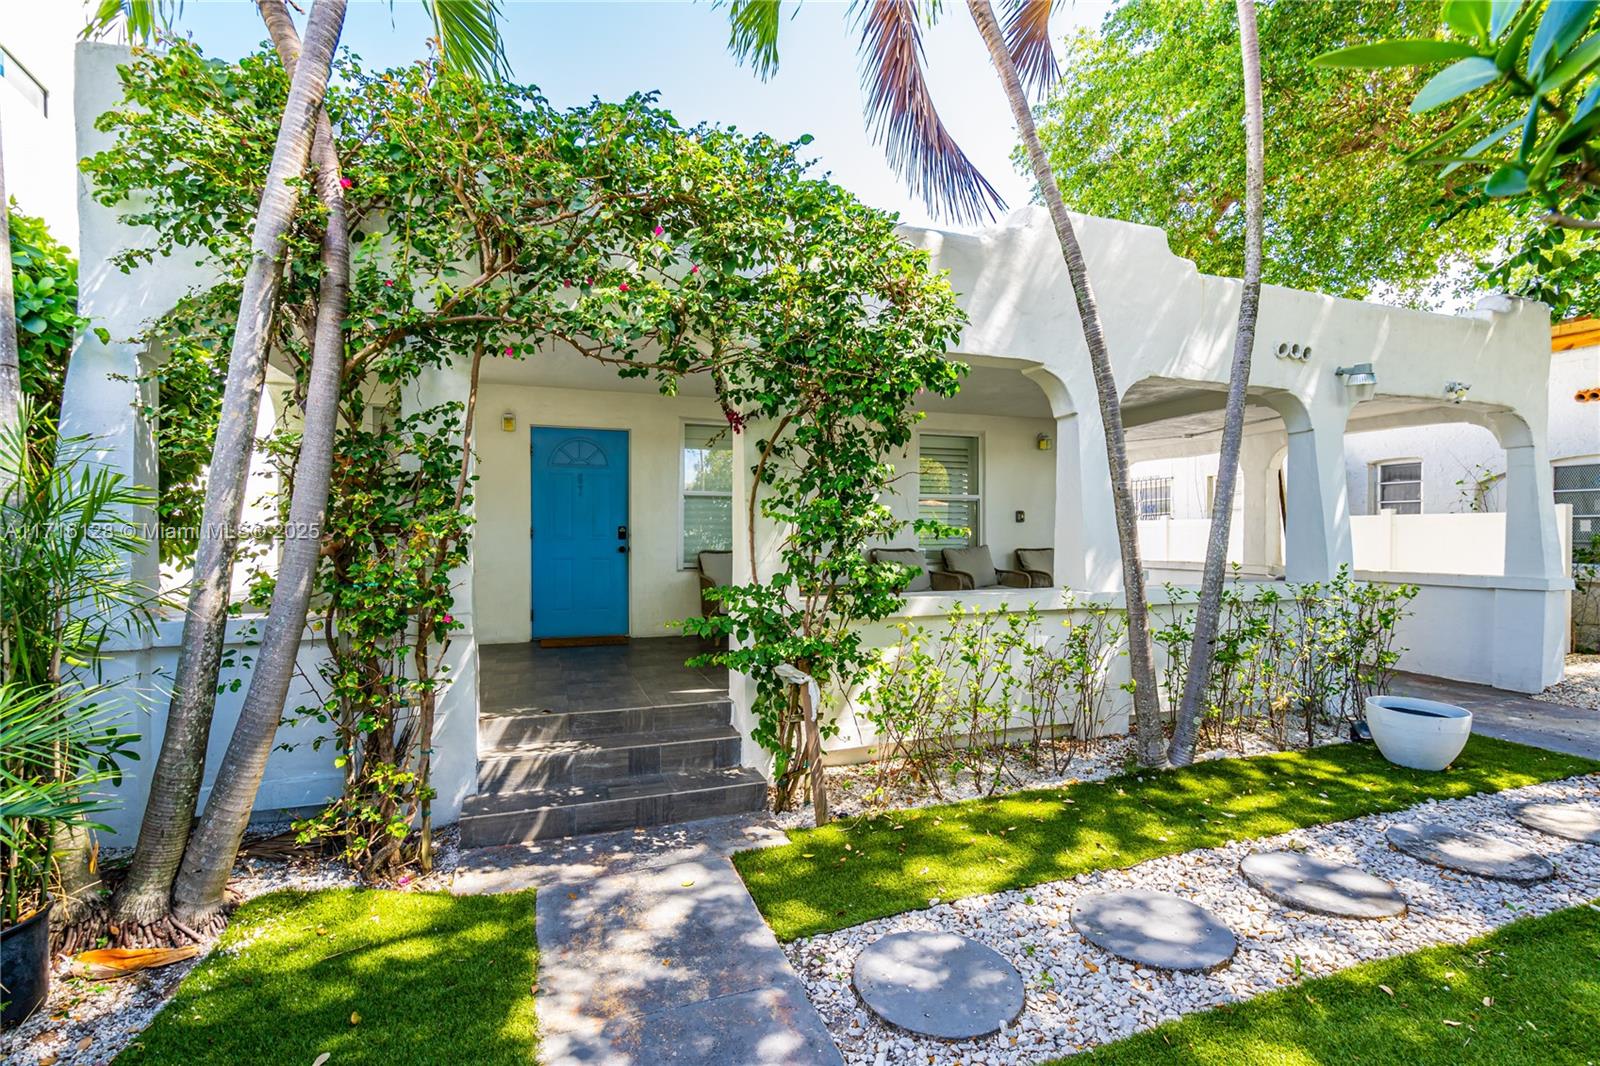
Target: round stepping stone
<point x="1308" y="883"/>
<point x="1574" y="821"/>
<point x="938" y="984"/>
<point x="1470" y="853"/>
<point x="1155" y="929"/>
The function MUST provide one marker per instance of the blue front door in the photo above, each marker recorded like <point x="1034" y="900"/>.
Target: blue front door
<point x="580" y="532"/>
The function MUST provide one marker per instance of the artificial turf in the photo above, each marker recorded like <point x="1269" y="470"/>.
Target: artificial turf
<point x="365" y="975"/>
<point x="853" y="871"/>
<point x="1528" y="993"/>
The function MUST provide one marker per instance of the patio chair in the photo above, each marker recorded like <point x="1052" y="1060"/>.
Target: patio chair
<point x="1039" y="564"/>
<point x="716" y="571"/>
<point x="923" y="579"/>
<point x="974" y="568"/>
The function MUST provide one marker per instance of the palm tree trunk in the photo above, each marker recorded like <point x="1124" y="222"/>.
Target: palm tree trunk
<point x="208" y="860"/>
<point x="1146" y="705"/>
<point x="10" y="366"/>
<point x="1203" y="646"/>
<point x="143" y="900"/>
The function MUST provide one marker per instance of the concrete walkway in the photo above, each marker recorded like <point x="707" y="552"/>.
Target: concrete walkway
<point x="652" y="951"/>
<point x="1511" y="715"/>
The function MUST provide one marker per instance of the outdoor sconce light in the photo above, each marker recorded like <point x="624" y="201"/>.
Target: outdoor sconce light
<point x="1456" y="390"/>
<point x="1357" y="375"/>
<point x="508" y="422"/>
<point x="1043" y="442"/>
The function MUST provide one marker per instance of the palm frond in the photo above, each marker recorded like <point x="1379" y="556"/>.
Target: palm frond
<point x="469" y="36"/>
<point x="141" y="18"/>
<point x="753" y="33"/>
<point x="1027" y="30"/>
<point x="902" y="116"/>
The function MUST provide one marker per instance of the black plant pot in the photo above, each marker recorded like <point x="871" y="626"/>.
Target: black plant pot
<point x="25" y="966"/>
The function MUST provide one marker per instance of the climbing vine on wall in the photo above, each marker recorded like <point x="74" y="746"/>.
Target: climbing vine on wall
<point x="488" y="223"/>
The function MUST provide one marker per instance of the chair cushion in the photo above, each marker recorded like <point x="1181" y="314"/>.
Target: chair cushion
<point x="1037" y="559"/>
<point x="718" y="566"/>
<point x="975" y="561"/>
<point x="911" y="559"/>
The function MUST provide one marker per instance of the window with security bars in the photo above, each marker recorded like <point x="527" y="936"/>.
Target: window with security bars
<point x="1579" y="485"/>
<point x="707" y="491"/>
<point x="1152" y="496"/>
<point x="948" y="490"/>
<point x="1400" y="487"/>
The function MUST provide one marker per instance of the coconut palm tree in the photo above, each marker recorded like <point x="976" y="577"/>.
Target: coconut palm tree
<point x="468" y="35"/>
<point x="903" y="118"/>
<point x="1186" y="730"/>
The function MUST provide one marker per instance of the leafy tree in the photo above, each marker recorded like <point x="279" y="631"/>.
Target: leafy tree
<point x="1520" y="100"/>
<point x="45" y="276"/>
<point x="1140" y="128"/>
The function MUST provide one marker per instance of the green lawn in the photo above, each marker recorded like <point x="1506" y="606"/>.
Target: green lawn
<point x="1526" y="995"/>
<point x="367" y="975"/>
<point x="851" y="872"/>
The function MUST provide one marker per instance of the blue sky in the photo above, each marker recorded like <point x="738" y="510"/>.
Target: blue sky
<point x="576" y="50"/>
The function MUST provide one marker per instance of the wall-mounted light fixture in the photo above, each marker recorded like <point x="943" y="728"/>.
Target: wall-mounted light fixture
<point x="1043" y="442"/>
<point x="508" y="422"/>
<point x="1456" y="390"/>
<point x="1357" y="375"/>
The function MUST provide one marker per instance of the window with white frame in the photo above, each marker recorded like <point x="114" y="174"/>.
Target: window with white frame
<point x="16" y="75"/>
<point x="707" y="491"/>
<point x="1398" y="487"/>
<point x="1152" y="496"/>
<point x="948" y="490"/>
<point x="1579" y="485"/>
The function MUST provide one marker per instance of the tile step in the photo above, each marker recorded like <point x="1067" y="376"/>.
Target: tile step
<point x="507" y="729"/>
<point x="648" y="799"/>
<point x="550" y="763"/>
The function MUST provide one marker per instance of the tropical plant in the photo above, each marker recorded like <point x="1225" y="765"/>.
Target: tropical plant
<point x="54" y="749"/>
<point x="468" y="33"/>
<point x="1522" y="88"/>
<point x="10" y="366"/>
<point x="1207" y="615"/>
<point x="45" y="277"/>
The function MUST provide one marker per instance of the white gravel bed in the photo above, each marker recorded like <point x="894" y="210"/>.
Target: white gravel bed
<point x="88" y="1022"/>
<point x="861" y="789"/>
<point x="1581" y="685"/>
<point x="1078" y="996"/>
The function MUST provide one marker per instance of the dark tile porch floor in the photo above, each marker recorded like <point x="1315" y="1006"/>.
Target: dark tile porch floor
<point x="1511" y="715"/>
<point x="647" y="672"/>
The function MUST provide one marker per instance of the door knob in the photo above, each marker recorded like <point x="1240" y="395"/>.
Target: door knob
<point x="622" y="549"/>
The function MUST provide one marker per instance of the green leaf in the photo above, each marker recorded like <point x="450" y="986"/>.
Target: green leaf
<point x="1572" y="67"/>
<point x="1399" y="53"/>
<point x="1563" y="21"/>
<point x="1480" y="146"/>
<point x="1470" y="18"/>
<point x="1455" y="81"/>
<point x="1509" y="180"/>
<point x="1501" y="12"/>
<point x="1530" y="129"/>
<point x="1591" y="99"/>
<point x="1516" y="37"/>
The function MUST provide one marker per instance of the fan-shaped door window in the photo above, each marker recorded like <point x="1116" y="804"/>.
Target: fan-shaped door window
<point x="580" y="452"/>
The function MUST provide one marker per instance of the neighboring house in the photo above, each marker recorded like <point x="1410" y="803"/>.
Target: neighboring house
<point x="1019" y="456"/>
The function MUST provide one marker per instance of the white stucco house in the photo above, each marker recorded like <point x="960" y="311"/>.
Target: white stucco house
<point x="1024" y="434"/>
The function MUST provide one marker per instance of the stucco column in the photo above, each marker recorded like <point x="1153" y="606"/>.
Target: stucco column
<point x="756" y="547"/>
<point x="1260" y="540"/>
<point x="1088" y="553"/>
<point x="1533" y="543"/>
<point x="1317" y="523"/>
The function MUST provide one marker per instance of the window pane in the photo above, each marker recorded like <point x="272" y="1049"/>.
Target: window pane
<point x="963" y="513"/>
<point x="948" y="466"/>
<point x="1401" y="472"/>
<point x="1583" y="503"/>
<point x="1405" y="492"/>
<point x="707" y="526"/>
<point x="1152" y="496"/>
<point x="1585" y="476"/>
<point x="707" y="459"/>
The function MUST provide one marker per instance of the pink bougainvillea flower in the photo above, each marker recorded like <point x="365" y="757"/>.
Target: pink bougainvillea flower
<point x="735" y="420"/>
<point x="346" y="183"/>
<point x="388" y="283"/>
<point x="405" y="879"/>
<point x="695" y="269"/>
<point x="449" y="618"/>
<point x="658" y="231"/>
<point x="588" y="281"/>
<point x="508" y="352"/>
<point x="623" y="287"/>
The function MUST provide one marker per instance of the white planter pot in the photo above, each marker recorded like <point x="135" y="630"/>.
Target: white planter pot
<point x="1420" y="734"/>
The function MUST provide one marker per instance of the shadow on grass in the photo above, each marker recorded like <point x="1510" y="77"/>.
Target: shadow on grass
<point x="366" y="975"/>
<point x="848" y="873"/>
<point x="1527" y="993"/>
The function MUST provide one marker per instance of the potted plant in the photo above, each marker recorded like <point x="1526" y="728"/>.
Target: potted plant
<point x="1420" y="734"/>
<point x="53" y="749"/>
